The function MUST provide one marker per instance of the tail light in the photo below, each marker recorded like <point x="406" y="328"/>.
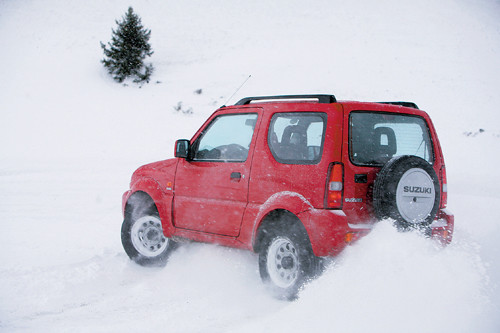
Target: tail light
<point x="444" y="187"/>
<point x="334" y="191"/>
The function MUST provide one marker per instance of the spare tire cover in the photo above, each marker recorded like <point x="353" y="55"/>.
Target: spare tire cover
<point x="407" y="190"/>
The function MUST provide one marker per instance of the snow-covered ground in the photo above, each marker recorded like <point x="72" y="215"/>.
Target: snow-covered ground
<point x="70" y="138"/>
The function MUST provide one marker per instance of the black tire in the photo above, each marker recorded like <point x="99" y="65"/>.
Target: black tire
<point x="144" y="242"/>
<point x="286" y="259"/>
<point x="407" y="190"/>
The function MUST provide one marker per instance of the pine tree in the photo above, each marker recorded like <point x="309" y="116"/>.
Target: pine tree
<point x="128" y="48"/>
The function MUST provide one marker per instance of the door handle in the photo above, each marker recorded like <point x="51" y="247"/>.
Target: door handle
<point x="235" y="176"/>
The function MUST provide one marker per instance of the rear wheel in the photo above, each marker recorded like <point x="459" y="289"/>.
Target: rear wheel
<point x="286" y="261"/>
<point x="144" y="242"/>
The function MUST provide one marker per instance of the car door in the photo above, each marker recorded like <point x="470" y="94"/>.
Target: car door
<point x="211" y="186"/>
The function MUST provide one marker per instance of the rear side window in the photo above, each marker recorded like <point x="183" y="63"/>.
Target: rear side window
<point x="377" y="137"/>
<point x="297" y="138"/>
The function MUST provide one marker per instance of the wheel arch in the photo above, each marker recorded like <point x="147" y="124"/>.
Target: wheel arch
<point x="278" y="218"/>
<point x="146" y="195"/>
<point x="139" y="202"/>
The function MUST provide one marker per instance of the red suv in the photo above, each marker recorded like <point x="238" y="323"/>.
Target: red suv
<point x="292" y="178"/>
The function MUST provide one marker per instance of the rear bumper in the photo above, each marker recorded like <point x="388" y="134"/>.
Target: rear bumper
<point x="330" y="232"/>
<point x="443" y="226"/>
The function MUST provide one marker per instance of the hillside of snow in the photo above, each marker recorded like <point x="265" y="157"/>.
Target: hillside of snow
<point x="70" y="139"/>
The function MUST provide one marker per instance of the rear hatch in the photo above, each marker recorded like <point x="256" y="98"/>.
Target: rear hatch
<point x="375" y="134"/>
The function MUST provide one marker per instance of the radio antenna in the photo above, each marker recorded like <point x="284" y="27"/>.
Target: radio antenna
<point x="248" y="78"/>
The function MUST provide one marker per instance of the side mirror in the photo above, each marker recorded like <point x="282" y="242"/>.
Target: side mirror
<point x="182" y="148"/>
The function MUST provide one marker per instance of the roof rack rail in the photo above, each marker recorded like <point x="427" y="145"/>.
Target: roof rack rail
<point x="405" y="104"/>
<point x="323" y="99"/>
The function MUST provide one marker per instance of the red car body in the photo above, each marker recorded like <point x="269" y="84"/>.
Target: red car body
<point x="226" y="202"/>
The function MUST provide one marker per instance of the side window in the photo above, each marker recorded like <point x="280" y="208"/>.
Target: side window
<point x="226" y="139"/>
<point x="297" y="138"/>
<point x="377" y="137"/>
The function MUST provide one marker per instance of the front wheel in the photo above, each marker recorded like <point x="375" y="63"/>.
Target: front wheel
<point x="286" y="262"/>
<point x="144" y="242"/>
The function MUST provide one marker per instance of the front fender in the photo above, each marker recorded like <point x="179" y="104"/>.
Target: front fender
<point x="162" y="198"/>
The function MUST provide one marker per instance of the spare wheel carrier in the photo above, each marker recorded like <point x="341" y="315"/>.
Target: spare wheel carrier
<point x="407" y="190"/>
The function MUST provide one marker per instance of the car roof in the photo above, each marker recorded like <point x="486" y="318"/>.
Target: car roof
<point x="277" y="102"/>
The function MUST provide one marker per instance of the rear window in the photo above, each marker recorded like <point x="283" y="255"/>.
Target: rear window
<point x="377" y="137"/>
